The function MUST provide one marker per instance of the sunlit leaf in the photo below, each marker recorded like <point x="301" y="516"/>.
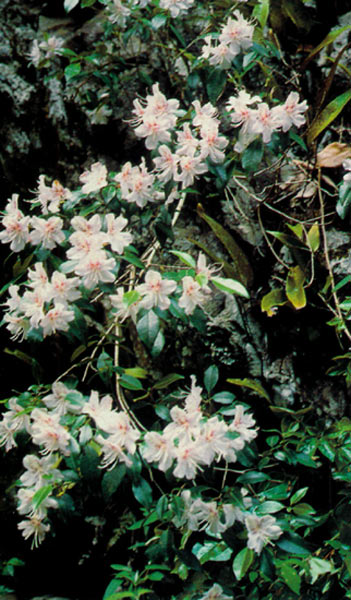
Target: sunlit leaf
<point x="273" y="299"/>
<point x="294" y="287"/>
<point x="328" y="115"/>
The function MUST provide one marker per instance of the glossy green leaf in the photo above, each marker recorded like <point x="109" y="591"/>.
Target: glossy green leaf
<point x="130" y="383"/>
<point x="327" y="116"/>
<point x="298" y="495"/>
<point x="329" y="39"/>
<point x="230" y="286"/>
<point x="294" y="287"/>
<point x="252" y="384"/>
<point x="186" y="258"/>
<point x="269" y="507"/>
<point x="261" y="12"/>
<point x="291" y="577"/>
<point x="167" y="381"/>
<point x="148" y="328"/>
<point x="142" y="492"/>
<point x="293" y="544"/>
<point x="41" y="495"/>
<point x="242" y="562"/>
<point x="211" y="377"/>
<point x="72" y="70"/>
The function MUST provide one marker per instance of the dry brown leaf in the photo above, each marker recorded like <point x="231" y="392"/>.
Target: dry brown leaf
<point x="333" y="155"/>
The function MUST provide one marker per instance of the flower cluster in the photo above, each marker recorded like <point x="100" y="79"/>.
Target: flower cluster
<point x="192" y="440"/>
<point x="264" y="120"/>
<point x="235" y="36"/>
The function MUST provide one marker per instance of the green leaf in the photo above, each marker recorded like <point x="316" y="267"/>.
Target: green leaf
<point x="167" y="381"/>
<point x="273" y="299"/>
<point x="148" y="328"/>
<point x="142" y="492"/>
<point x="269" y="507"/>
<point x="41" y="495"/>
<point x="327" y="116"/>
<point x="294" y="287"/>
<point x="319" y="566"/>
<point x="130" y="383"/>
<point x="252" y="384"/>
<point x="329" y="39"/>
<point x="251" y="157"/>
<point x="211" y="377"/>
<point x="186" y="258"/>
<point x="72" y="70"/>
<point x="303" y="509"/>
<point x="132" y="259"/>
<point x="215" y="84"/>
<point x="230" y="286"/>
<point x="242" y="267"/>
<point x="242" y="562"/>
<point x="253" y="477"/>
<point x="293" y="544"/>
<point x="261" y="12"/>
<point x="111" y="480"/>
<point x="291" y="577"/>
<point x="313" y="237"/>
<point x="70" y="4"/>
<point x="298" y="495"/>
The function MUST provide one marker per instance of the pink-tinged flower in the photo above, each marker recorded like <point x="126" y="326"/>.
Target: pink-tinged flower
<point x="290" y="113"/>
<point x="189" y="456"/>
<point x="112" y="451"/>
<point x="260" y="531"/>
<point x="47" y="431"/>
<point x="155" y="290"/>
<point x="16" y="226"/>
<point x="91" y="227"/>
<point x="192" y="295"/>
<point x="34" y="526"/>
<point x="18" y="325"/>
<point x="56" y="319"/>
<point x="95" y="179"/>
<point x="166" y="164"/>
<point x="96" y="408"/>
<point x="241" y="113"/>
<point x="25" y="507"/>
<point x="212" y="144"/>
<point x="47" y="232"/>
<point x="205" y="116"/>
<point x="96" y="267"/>
<point x="13" y="303"/>
<point x="242" y="424"/>
<point x="83" y="245"/>
<point x="141" y="183"/>
<point x="16" y="417"/>
<point x="115" y="236"/>
<point x="39" y="470"/>
<point x="190" y="166"/>
<point x="51" y="198"/>
<point x="8" y="428"/>
<point x="154" y="129"/>
<point x="237" y="33"/>
<point x="193" y="399"/>
<point x="214" y="435"/>
<point x="38" y="278"/>
<point x="176" y="7"/>
<point x="187" y="142"/>
<point x="184" y="425"/>
<point x="57" y="402"/>
<point x="32" y="305"/>
<point x="125" y="177"/>
<point x="265" y="122"/>
<point x="118" y="425"/>
<point x="63" y="289"/>
<point x="158" y="448"/>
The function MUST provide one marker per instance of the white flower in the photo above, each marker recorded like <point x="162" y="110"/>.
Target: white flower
<point x="117" y="238"/>
<point x="216" y="593"/>
<point x="95" y="179"/>
<point x="192" y="295"/>
<point x="47" y="232"/>
<point x="260" y="531"/>
<point x="290" y="113"/>
<point x="158" y="448"/>
<point x="34" y="526"/>
<point x="57" y="318"/>
<point x="155" y="290"/>
<point x="96" y="267"/>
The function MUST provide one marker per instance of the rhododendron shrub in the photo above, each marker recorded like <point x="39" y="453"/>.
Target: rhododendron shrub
<point x="105" y="271"/>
